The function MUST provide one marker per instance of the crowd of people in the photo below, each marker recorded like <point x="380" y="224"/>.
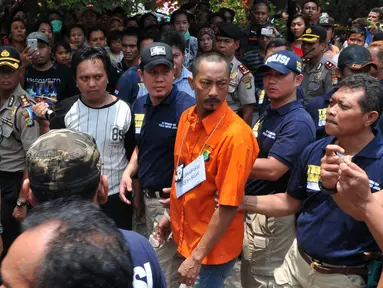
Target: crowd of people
<point x="251" y="144"/>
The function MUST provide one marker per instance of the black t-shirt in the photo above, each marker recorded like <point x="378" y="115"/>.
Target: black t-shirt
<point x="56" y="82"/>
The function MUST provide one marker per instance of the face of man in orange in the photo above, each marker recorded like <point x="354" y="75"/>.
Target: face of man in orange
<point x="211" y="84"/>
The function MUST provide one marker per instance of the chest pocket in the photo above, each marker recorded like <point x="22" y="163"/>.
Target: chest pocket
<point x="6" y="136"/>
<point x="314" y="85"/>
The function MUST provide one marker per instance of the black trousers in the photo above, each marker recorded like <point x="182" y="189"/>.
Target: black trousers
<point x="120" y="212"/>
<point x="10" y="184"/>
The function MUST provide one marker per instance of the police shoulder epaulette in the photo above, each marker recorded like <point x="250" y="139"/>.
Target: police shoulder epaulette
<point x="329" y="65"/>
<point x="243" y="69"/>
<point x="24" y="101"/>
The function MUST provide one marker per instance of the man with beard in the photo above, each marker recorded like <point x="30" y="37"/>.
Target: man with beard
<point x="43" y="78"/>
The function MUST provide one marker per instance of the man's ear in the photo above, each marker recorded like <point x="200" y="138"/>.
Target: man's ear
<point x="103" y="189"/>
<point x="237" y="43"/>
<point x="141" y="75"/>
<point x="371" y="117"/>
<point x="191" y="82"/>
<point x="299" y="79"/>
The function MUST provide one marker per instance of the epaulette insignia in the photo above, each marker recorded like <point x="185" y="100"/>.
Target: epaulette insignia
<point x="243" y="69"/>
<point x="329" y="65"/>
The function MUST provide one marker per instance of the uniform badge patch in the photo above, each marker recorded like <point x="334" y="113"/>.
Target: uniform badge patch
<point x="318" y="76"/>
<point x="206" y="155"/>
<point x="12" y="112"/>
<point x="247" y="81"/>
<point x="334" y="78"/>
<point x="11" y="101"/>
<point x="243" y="69"/>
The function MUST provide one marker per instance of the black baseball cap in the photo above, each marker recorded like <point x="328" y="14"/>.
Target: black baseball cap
<point x="313" y="34"/>
<point x="10" y="57"/>
<point x="155" y="54"/>
<point x="229" y="30"/>
<point x="355" y="57"/>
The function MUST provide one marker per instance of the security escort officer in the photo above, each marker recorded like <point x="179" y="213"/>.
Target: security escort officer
<point x="330" y="245"/>
<point x="319" y="72"/>
<point x="156" y="120"/>
<point x="352" y="60"/>
<point x="283" y="131"/>
<point x="18" y="130"/>
<point x="241" y="95"/>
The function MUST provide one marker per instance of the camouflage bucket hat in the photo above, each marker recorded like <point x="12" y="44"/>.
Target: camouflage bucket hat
<point x="63" y="158"/>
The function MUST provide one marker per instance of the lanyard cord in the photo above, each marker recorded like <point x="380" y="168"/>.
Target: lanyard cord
<point x="187" y="130"/>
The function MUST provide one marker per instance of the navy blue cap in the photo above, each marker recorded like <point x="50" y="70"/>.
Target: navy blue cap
<point x="283" y="61"/>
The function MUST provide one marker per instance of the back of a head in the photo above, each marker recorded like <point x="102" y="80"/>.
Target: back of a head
<point x="86" y="249"/>
<point x="174" y="39"/>
<point x="64" y="163"/>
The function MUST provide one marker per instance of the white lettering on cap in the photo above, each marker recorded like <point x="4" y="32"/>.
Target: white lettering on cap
<point x="157" y="50"/>
<point x="278" y="58"/>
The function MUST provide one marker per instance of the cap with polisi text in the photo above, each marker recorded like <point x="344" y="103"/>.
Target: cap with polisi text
<point x="355" y="57"/>
<point x="39" y="36"/>
<point x="314" y="34"/>
<point x="10" y="57"/>
<point x="155" y="54"/>
<point x="283" y="61"/>
<point x="229" y="30"/>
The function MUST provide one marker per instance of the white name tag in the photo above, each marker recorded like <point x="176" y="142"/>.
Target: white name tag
<point x="192" y="175"/>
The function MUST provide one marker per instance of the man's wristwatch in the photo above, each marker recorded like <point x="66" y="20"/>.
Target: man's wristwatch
<point x="325" y="190"/>
<point x="20" y="203"/>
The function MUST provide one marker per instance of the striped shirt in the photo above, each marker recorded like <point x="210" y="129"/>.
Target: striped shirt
<point x="181" y="82"/>
<point x="253" y="60"/>
<point x="112" y="127"/>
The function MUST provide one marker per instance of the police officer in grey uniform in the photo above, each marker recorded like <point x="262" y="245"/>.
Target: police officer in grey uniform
<point x="18" y="130"/>
<point x="319" y="72"/>
<point x="241" y="95"/>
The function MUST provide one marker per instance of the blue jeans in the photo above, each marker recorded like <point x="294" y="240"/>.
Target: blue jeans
<point x="213" y="276"/>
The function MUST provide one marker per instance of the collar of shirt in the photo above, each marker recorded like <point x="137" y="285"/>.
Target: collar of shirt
<point x="184" y="75"/>
<point x="287" y="108"/>
<point x="13" y="98"/>
<point x="373" y="150"/>
<point x="210" y="121"/>
<point x="167" y="101"/>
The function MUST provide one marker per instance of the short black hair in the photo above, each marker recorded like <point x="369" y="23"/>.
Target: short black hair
<point x="215" y="57"/>
<point x="373" y="97"/>
<point x="13" y="21"/>
<point x="378" y="10"/>
<point x="43" y="21"/>
<point x="76" y="26"/>
<point x="55" y="12"/>
<point x="90" y="53"/>
<point x="95" y="28"/>
<point x="131" y="19"/>
<point x="62" y="43"/>
<point x="278" y="42"/>
<point x="174" y="39"/>
<point x="86" y="250"/>
<point x="357" y="30"/>
<point x="151" y="32"/>
<point x="113" y="36"/>
<point x="231" y="11"/>
<point x="313" y="1"/>
<point x="130" y="31"/>
<point x="217" y="14"/>
<point x="260" y="27"/>
<point x="261" y="2"/>
<point x="180" y="12"/>
<point x="143" y="17"/>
